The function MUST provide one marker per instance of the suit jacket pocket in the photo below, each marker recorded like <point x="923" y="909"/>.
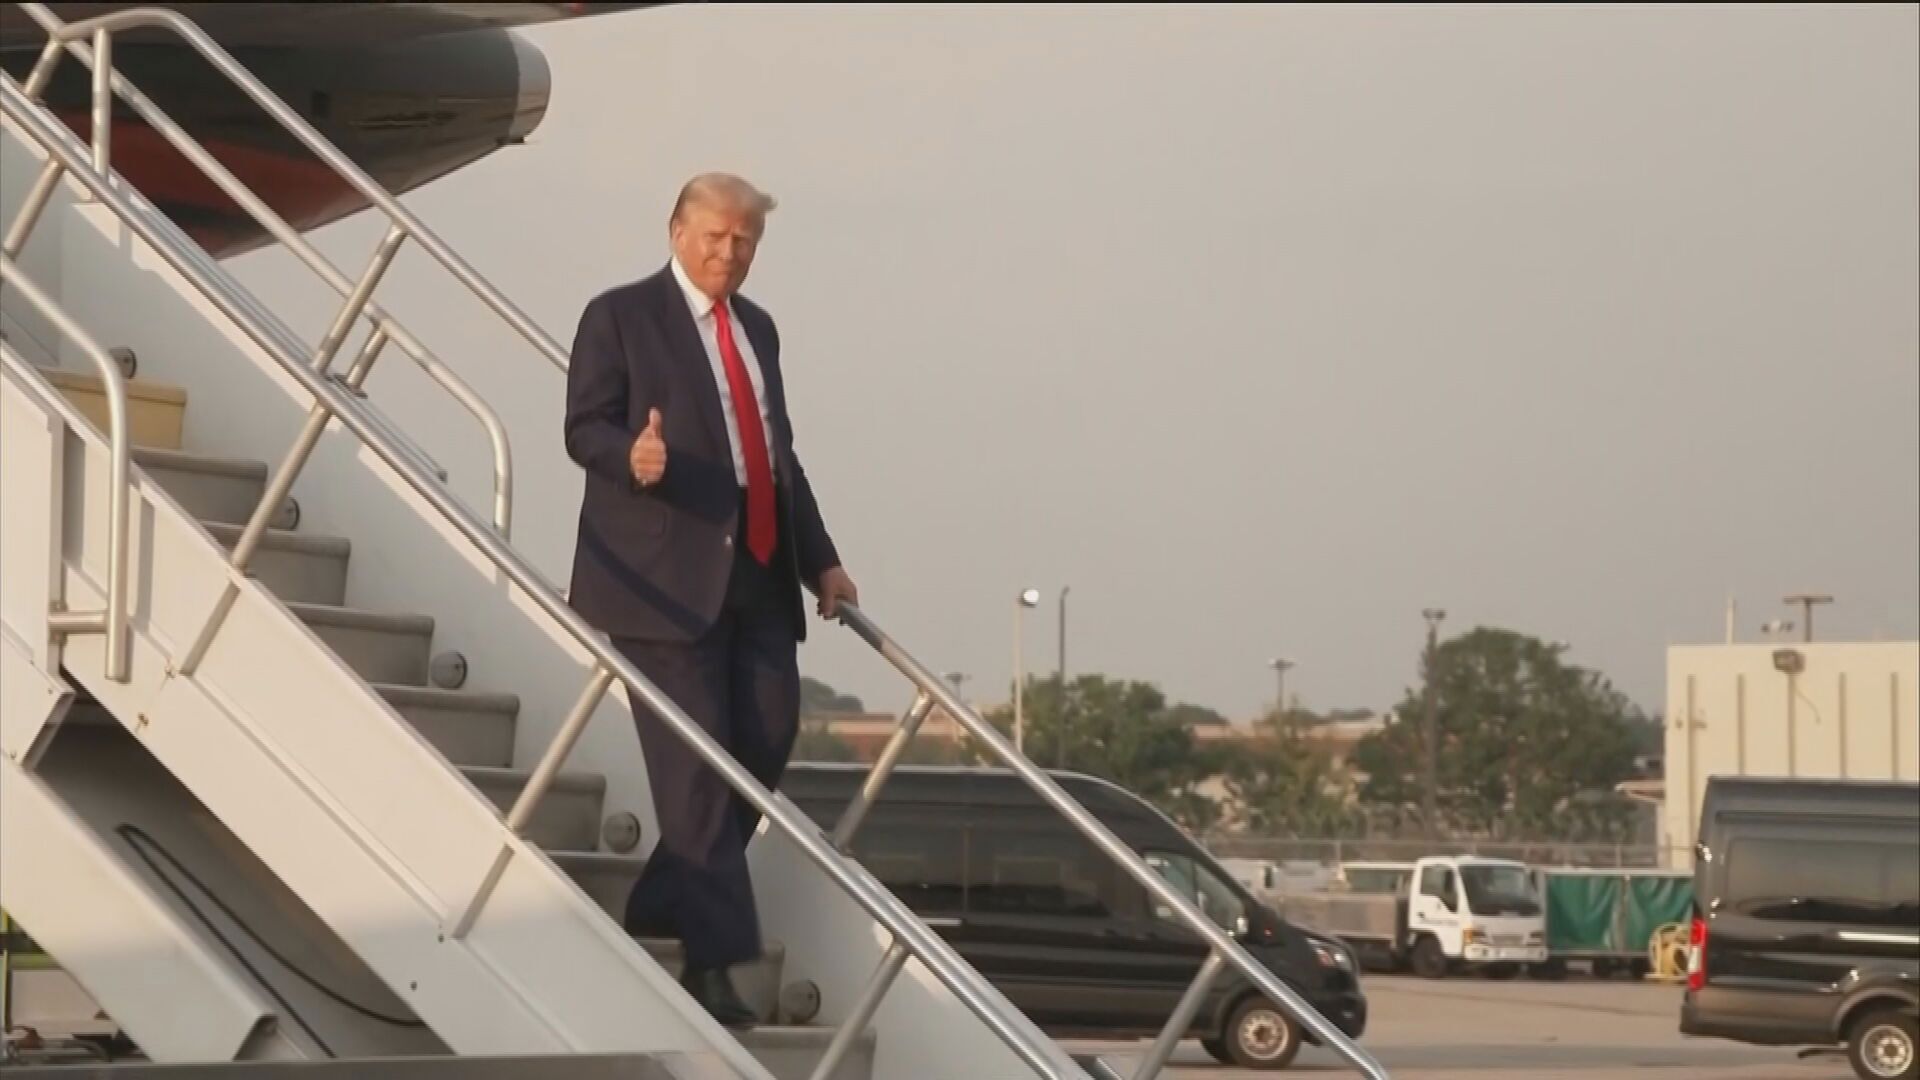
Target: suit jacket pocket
<point x="649" y="515"/>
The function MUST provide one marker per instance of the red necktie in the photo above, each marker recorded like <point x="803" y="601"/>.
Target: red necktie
<point x="761" y="530"/>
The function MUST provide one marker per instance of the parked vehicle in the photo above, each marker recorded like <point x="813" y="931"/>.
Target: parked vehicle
<point x="1069" y="937"/>
<point x="1609" y="918"/>
<point x="1806" y="927"/>
<point x="1447" y="913"/>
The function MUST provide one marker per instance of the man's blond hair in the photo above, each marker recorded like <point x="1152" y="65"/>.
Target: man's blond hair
<point x="723" y="189"/>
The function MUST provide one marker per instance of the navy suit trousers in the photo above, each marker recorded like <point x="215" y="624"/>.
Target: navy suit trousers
<point x="741" y="683"/>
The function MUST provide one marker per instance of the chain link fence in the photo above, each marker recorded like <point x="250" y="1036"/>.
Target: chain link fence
<point x="1331" y="852"/>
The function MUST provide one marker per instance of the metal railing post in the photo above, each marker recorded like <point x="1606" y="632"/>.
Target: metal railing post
<point x="103" y="102"/>
<point x="536" y="789"/>
<point x="1176" y="1027"/>
<point x="383" y="254"/>
<point x="856" y="810"/>
<point x="862" y="1013"/>
<point x="112" y="621"/>
<point x="42" y="72"/>
<point x="30" y="210"/>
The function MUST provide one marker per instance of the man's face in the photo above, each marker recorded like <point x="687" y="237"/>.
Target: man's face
<point x="715" y="243"/>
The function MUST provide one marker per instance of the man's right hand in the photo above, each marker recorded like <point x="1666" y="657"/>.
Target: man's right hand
<point x="648" y="458"/>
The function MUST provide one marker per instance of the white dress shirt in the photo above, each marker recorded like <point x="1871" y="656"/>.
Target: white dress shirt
<point x="702" y="307"/>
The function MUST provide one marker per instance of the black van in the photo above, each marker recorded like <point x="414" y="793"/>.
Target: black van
<point x="1806" y="928"/>
<point x="1067" y="935"/>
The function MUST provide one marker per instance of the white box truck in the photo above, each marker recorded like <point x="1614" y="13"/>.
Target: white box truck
<point x="1445" y="913"/>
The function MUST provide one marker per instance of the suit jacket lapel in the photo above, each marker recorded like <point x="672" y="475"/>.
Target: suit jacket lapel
<point x="684" y="336"/>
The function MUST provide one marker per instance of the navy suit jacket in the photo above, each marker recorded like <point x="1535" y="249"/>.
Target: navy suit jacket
<point x="653" y="563"/>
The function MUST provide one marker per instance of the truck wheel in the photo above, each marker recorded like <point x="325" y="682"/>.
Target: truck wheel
<point x="1554" y="970"/>
<point x="1428" y="961"/>
<point x="1217" y="1050"/>
<point x="1260" y="1036"/>
<point x="1881" y="1046"/>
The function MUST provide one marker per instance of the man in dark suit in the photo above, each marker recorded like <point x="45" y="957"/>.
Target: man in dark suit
<point x="698" y="529"/>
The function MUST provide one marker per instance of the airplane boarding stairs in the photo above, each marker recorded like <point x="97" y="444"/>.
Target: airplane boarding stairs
<point x="302" y="760"/>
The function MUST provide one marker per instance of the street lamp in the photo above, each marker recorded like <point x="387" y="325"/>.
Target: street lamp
<point x="1028" y="598"/>
<point x="1280" y="665"/>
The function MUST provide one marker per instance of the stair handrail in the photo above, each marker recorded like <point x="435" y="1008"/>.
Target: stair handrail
<point x="910" y="936"/>
<point x="112" y="621"/>
<point x="357" y="293"/>
<point x="1222" y="948"/>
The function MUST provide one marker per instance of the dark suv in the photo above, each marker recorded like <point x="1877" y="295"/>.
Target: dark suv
<point x="1060" y="929"/>
<point x="1806" y="928"/>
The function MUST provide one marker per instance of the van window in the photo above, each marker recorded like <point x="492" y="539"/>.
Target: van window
<point x="1870" y="881"/>
<point x="1197" y="882"/>
<point x="1016" y="871"/>
<point x="921" y="862"/>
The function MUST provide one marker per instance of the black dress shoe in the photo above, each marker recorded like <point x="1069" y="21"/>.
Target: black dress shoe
<point x="713" y="989"/>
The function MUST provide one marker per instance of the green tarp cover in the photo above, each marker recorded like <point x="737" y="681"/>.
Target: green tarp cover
<point x="1580" y="911"/>
<point x="1652" y="902"/>
<point x="1613" y="913"/>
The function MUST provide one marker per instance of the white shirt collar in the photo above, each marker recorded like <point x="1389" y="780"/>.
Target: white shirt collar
<point x="700" y="302"/>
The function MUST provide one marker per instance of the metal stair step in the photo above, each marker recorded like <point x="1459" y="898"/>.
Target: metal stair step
<point x="568" y="818"/>
<point x="381" y="648"/>
<point x="608" y="877"/>
<point x="758" y="981"/>
<point x="469" y="727"/>
<point x="297" y="567"/>
<point x="156" y="412"/>
<point x="791" y="1053"/>
<point x="210" y="488"/>
<point x="603" y="875"/>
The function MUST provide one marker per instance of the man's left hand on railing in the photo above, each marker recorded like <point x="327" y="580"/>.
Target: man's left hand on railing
<point x="835" y="586"/>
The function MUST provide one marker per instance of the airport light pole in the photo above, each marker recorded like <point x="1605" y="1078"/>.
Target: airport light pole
<point x="1060" y="747"/>
<point x="1028" y="598"/>
<point x="1806" y="602"/>
<point x="1431" y="782"/>
<point x="1280" y="665"/>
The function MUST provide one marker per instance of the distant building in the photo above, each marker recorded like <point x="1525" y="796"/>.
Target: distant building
<point x="1820" y="709"/>
<point x="867" y="733"/>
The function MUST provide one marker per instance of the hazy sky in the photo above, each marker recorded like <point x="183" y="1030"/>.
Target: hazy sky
<point x="1263" y="329"/>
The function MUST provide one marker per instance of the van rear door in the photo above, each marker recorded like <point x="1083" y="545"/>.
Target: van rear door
<point x="1800" y="907"/>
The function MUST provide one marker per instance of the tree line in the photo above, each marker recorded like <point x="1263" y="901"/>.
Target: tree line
<point x="1529" y="746"/>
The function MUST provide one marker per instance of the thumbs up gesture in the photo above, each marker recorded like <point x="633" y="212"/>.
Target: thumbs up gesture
<point x="648" y="458"/>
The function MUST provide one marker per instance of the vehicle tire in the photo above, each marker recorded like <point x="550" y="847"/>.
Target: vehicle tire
<point x="1554" y="970"/>
<point x="1880" y="1046"/>
<point x="1428" y="961"/>
<point x="1602" y="968"/>
<point x="1260" y="1036"/>
<point x="1500" y="972"/>
<point x="1217" y="1050"/>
